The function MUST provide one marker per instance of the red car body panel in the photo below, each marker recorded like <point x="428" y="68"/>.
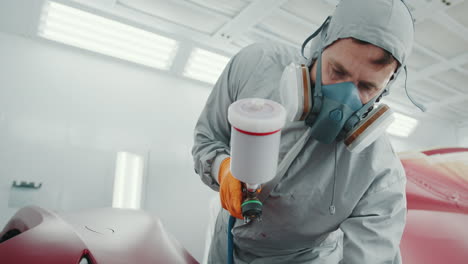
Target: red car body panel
<point x="436" y="231"/>
<point x="103" y="236"/>
<point x="437" y="194"/>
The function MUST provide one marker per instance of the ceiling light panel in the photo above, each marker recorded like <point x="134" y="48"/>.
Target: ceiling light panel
<point x="459" y="12"/>
<point x="403" y="125"/>
<point x="178" y="13"/>
<point x="419" y="60"/>
<point x="81" y="29"/>
<point x="205" y="66"/>
<point x="315" y="11"/>
<point x="227" y="7"/>
<point x="454" y="79"/>
<point x="285" y="28"/>
<point x="434" y="36"/>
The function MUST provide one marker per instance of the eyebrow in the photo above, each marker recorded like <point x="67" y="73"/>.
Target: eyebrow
<point x="342" y="69"/>
<point x="370" y="85"/>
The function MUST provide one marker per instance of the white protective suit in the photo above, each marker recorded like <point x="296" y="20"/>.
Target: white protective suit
<point x="299" y="224"/>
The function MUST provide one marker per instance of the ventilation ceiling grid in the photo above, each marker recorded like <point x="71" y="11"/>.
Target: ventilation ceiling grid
<point x="437" y="38"/>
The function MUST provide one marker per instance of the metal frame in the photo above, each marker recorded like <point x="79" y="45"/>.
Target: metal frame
<point x="251" y="16"/>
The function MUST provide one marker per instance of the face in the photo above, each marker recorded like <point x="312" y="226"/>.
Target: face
<point x="348" y="61"/>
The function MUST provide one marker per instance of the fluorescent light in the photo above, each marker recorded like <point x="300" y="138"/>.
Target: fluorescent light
<point x="128" y="181"/>
<point x="81" y="29"/>
<point x="205" y="66"/>
<point x="403" y="125"/>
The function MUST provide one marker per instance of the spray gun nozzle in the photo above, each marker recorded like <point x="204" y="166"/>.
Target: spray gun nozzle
<point x="251" y="206"/>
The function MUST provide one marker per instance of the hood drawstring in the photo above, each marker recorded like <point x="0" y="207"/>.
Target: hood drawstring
<point x="332" y="208"/>
<point x="313" y="36"/>
<point x="418" y="105"/>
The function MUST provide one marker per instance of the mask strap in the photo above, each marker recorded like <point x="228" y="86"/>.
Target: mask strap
<point x="418" y="105"/>
<point x="317" y="99"/>
<point x="318" y="77"/>
<point x="313" y="36"/>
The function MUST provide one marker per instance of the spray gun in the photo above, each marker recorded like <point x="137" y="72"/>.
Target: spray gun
<point x="251" y="205"/>
<point x="255" y="137"/>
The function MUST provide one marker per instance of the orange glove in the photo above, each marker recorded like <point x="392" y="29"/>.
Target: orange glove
<point x="230" y="190"/>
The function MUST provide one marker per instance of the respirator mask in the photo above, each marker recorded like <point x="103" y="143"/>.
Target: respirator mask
<point x="333" y="112"/>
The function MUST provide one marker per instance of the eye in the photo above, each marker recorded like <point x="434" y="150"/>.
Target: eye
<point x="365" y="87"/>
<point x="336" y="74"/>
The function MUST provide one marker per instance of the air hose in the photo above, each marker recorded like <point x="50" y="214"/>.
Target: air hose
<point x="230" y="243"/>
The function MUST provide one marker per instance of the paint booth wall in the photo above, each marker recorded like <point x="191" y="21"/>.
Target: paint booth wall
<point x="65" y="113"/>
<point x="463" y="136"/>
<point x="429" y="133"/>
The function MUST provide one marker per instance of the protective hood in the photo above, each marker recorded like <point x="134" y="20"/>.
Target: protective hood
<point x="384" y="23"/>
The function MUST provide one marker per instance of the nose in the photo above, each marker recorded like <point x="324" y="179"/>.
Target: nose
<point x="364" y="98"/>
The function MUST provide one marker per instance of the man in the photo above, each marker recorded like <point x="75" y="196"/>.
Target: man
<point x="325" y="189"/>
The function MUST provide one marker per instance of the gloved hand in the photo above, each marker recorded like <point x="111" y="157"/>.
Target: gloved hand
<point x="230" y="190"/>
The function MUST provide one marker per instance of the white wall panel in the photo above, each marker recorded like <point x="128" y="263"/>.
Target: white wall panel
<point x="430" y="133"/>
<point x="64" y="113"/>
<point x="463" y="137"/>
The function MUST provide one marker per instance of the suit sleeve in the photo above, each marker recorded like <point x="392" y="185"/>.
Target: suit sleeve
<point x="212" y="131"/>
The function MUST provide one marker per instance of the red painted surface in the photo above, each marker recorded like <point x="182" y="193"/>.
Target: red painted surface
<point x="437" y="193"/>
<point x="444" y="151"/>
<point x="106" y="236"/>
<point x="436" y="231"/>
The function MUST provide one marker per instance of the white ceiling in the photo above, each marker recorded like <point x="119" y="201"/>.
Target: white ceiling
<point x="438" y="67"/>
